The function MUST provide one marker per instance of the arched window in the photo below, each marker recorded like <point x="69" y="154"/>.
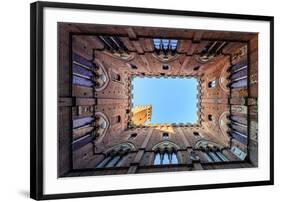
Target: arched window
<point x="210" y="51"/>
<point x="101" y="77"/>
<point x="165" y="153"/>
<point x="116" y="156"/>
<point x="210" y="117"/>
<point x="214" y="156"/>
<point x="240" y="137"/>
<point x="238" y="126"/>
<point x="101" y="126"/>
<point x="115" y="47"/>
<point x="211" y="151"/>
<point x="113" y="43"/>
<point x="82" y="71"/>
<point x="165" y="45"/>
<point x="238" y="75"/>
<point x="83" y="74"/>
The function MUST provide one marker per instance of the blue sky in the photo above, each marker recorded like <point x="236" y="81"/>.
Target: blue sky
<point x="173" y="100"/>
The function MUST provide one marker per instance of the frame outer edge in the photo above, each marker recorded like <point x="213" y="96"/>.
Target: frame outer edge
<point x="36" y="101"/>
<point x="271" y="109"/>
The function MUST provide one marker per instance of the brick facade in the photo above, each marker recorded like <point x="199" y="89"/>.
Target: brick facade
<point x="96" y="65"/>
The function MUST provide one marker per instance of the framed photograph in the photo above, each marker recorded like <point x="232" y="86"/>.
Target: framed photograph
<point x="136" y="100"/>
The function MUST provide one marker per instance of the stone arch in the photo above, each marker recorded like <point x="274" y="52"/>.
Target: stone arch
<point x="206" y="144"/>
<point x="168" y="148"/>
<point x="125" y="146"/>
<point x="167" y="144"/>
<point x="101" y="77"/>
<point x="165" y="59"/>
<point x="223" y="79"/>
<point x="223" y="123"/>
<point x="121" y="56"/>
<point x="102" y="124"/>
<point x="116" y="155"/>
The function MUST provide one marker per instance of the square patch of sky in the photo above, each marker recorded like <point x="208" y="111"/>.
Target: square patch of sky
<point x="173" y="100"/>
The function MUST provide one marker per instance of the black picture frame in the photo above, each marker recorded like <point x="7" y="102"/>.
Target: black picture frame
<point x="36" y="99"/>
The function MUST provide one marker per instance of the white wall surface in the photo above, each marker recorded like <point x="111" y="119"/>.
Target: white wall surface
<point x="14" y="89"/>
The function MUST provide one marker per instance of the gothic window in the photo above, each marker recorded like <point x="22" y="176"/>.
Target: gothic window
<point x="165" y="158"/>
<point x="238" y="75"/>
<point x="221" y="156"/>
<point x="80" y="80"/>
<point x="82" y="141"/>
<point x="238" y="119"/>
<point x="238" y="127"/>
<point x="113" y="43"/>
<point x="207" y="157"/>
<point x="165" y="153"/>
<point x="210" y="117"/>
<point x="81" y="122"/>
<point x="157" y="159"/>
<point x="240" y="137"/>
<point x="94" y="129"/>
<point x="82" y="71"/>
<point x="101" y="126"/>
<point x="173" y="44"/>
<point x="239" y="83"/>
<point x="101" y="77"/>
<point x="215" y="156"/>
<point x="115" y="46"/>
<point x="210" y="51"/>
<point x="165" y="46"/>
<point x="211" y="151"/>
<point x="157" y="44"/>
<point x="238" y="67"/>
<point x="174" y="158"/>
<point x="88" y="73"/>
<point x="116" y="156"/>
<point x="212" y="84"/>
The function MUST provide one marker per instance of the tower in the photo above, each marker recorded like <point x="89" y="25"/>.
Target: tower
<point x="141" y="114"/>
